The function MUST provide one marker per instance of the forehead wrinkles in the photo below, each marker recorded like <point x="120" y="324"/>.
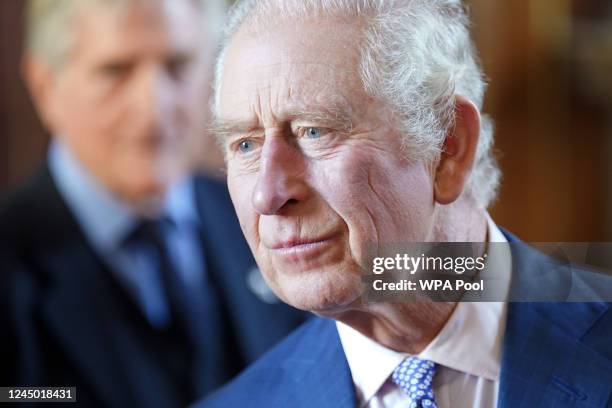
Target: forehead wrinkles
<point x="289" y="91"/>
<point x="282" y="65"/>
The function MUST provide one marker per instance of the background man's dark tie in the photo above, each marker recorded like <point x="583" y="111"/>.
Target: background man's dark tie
<point x="194" y="351"/>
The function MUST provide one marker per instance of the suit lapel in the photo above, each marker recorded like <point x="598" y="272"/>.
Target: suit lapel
<point x="74" y="311"/>
<point x="547" y="360"/>
<point x="78" y="295"/>
<point x="545" y="363"/>
<point x="532" y="271"/>
<point x="319" y="375"/>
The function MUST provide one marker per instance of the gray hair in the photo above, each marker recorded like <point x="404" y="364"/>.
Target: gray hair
<point x="50" y="28"/>
<point x="416" y="56"/>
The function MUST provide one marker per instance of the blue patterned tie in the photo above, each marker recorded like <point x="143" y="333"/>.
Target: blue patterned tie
<point x="415" y="377"/>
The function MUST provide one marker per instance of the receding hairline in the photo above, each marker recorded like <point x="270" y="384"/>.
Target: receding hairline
<point x="249" y="26"/>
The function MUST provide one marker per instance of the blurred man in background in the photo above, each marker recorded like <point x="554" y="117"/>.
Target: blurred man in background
<point x="123" y="275"/>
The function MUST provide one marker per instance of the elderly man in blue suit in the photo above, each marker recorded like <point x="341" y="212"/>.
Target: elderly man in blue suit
<point x="353" y="124"/>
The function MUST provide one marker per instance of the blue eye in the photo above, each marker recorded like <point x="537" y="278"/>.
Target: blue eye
<point x="313" y="133"/>
<point x="245" y="146"/>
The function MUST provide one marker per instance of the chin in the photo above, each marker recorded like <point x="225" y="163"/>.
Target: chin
<point x="323" y="293"/>
<point x="143" y="191"/>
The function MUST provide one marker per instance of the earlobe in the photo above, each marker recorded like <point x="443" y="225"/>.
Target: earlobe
<point x="459" y="152"/>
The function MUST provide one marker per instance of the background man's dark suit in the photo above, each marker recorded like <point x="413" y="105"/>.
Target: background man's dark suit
<point x="67" y="322"/>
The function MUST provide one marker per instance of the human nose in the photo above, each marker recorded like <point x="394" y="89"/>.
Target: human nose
<point x="281" y="179"/>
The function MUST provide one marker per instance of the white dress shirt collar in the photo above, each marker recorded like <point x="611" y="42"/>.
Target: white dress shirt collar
<point x="104" y="218"/>
<point x="469" y="342"/>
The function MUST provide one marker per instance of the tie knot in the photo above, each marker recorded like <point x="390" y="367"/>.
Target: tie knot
<point x="415" y="377"/>
<point x="150" y="230"/>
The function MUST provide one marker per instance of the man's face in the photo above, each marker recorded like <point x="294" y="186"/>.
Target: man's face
<point x="125" y="100"/>
<point x="315" y="168"/>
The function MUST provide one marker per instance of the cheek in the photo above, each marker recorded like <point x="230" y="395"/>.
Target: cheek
<point x="402" y="198"/>
<point x="187" y="105"/>
<point x="87" y="117"/>
<point x="380" y="200"/>
<point x="342" y="183"/>
<point x="240" y="188"/>
<point x="410" y="194"/>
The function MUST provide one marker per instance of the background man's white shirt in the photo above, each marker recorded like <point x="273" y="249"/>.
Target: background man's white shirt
<point x="467" y="351"/>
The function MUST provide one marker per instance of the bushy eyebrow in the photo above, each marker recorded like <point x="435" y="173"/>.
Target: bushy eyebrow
<point x="223" y="129"/>
<point x="335" y="118"/>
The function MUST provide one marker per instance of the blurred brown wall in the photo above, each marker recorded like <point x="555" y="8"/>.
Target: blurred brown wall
<point x="553" y="143"/>
<point x="22" y="138"/>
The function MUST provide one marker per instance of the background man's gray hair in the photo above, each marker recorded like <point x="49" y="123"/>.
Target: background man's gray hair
<point x="416" y="55"/>
<point x="50" y="28"/>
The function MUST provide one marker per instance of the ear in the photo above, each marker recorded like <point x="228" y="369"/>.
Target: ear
<point x="459" y="152"/>
<point x="39" y="79"/>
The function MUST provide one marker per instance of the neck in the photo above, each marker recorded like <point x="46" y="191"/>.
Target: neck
<point x="410" y="326"/>
<point x="404" y="327"/>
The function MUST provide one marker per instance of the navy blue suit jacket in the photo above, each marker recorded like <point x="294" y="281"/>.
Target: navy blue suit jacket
<point x="65" y="321"/>
<point x="554" y="355"/>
